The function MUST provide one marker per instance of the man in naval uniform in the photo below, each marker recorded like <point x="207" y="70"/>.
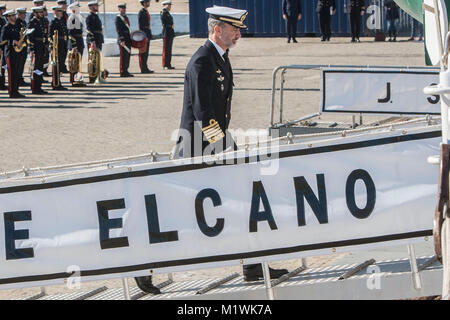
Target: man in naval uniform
<point x="3" y="59"/>
<point x="10" y="36"/>
<point x="75" y="42"/>
<point x="124" y="40"/>
<point x="325" y="9"/>
<point x="168" y="34"/>
<point x="357" y="9"/>
<point x="37" y="47"/>
<point x="58" y="25"/>
<point x="94" y="37"/>
<point x="292" y="13"/>
<point x="22" y="24"/>
<point x="144" y="26"/>
<point x="63" y="5"/>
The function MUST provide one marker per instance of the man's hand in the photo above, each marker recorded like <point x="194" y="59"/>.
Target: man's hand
<point x="31" y="55"/>
<point x="75" y="50"/>
<point x="122" y="43"/>
<point x="299" y="17"/>
<point x="15" y="42"/>
<point x="362" y="12"/>
<point x="284" y="17"/>
<point x="334" y="11"/>
<point x="93" y="46"/>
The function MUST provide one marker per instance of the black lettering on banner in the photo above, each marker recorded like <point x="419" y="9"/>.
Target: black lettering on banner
<point x="107" y="224"/>
<point x="350" y="194"/>
<point x="255" y="215"/>
<point x="318" y="206"/>
<point x="11" y="235"/>
<point x="200" y="213"/>
<point x="154" y="232"/>
<point x="388" y="94"/>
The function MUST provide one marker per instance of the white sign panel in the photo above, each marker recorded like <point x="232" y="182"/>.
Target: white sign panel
<point x="353" y="192"/>
<point x="379" y="92"/>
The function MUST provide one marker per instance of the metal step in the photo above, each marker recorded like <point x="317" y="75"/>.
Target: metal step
<point x="394" y="277"/>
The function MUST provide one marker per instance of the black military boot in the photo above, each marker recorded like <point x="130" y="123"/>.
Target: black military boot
<point x="146" y="285"/>
<point x="254" y="272"/>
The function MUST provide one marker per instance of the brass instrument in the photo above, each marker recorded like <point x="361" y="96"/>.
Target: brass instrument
<point x="75" y="67"/>
<point x="95" y="66"/>
<point x="22" y="43"/>
<point x="55" y="60"/>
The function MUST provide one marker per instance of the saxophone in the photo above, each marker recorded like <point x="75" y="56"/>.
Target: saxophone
<point x="21" y="43"/>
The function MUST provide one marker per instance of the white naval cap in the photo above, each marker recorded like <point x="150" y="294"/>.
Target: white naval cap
<point x="21" y="10"/>
<point x="232" y="16"/>
<point x="92" y="3"/>
<point x="74" y="5"/>
<point x="166" y="2"/>
<point x="57" y="8"/>
<point x="38" y="1"/>
<point x="61" y="2"/>
<point x="37" y="9"/>
<point x="11" y="12"/>
<point x="3" y="6"/>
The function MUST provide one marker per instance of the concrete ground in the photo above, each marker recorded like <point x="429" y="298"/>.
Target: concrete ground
<point x="129" y="116"/>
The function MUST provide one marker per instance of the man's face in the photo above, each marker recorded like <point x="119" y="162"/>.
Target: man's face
<point x="146" y="4"/>
<point x="2" y="11"/>
<point x="168" y="7"/>
<point x="94" y="8"/>
<point x="58" y="14"/>
<point x="12" y="19"/>
<point x="40" y="14"/>
<point x="123" y="11"/>
<point x="229" y="35"/>
<point x="22" y="16"/>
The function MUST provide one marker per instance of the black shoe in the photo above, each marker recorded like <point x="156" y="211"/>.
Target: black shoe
<point x="169" y="68"/>
<point x="3" y="87"/>
<point x="357" y="40"/>
<point x="254" y="272"/>
<point x="22" y="83"/>
<point x="39" y="92"/>
<point x="146" y="285"/>
<point x="289" y="40"/>
<point x="411" y="39"/>
<point x="46" y="74"/>
<point x="126" y="75"/>
<point x="60" y="88"/>
<point x="328" y="39"/>
<point x="353" y="40"/>
<point x="322" y="39"/>
<point x="148" y="71"/>
<point x="17" y="95"/>
<point x="294" y="40"/>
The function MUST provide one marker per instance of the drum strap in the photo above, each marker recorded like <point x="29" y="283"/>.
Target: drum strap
<point x="125" y="21"/>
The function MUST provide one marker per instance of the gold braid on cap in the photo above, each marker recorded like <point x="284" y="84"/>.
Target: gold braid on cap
<point x="239" y="23"/>
<point x="213" y="132"/>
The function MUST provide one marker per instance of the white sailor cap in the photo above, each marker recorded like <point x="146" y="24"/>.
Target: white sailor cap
<point x="38" y="1"/>
<point x="37" y="9"/>
<point x="232" y="16"/>
<point x="3" y="6"/>
<point x="61" y="2"/>
<point x="92" y="3"/>
<point x="122" y="5"/>
<point x="21" y="10"/>
<point x="166" y="2"/>
<point x="57" y="8"/>
<point x="11" y="12"/>
<point x="144" y="1"/>
<point x="73" y="5"/>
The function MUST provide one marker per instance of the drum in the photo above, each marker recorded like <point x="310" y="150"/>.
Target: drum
<point x="138" y="39"/>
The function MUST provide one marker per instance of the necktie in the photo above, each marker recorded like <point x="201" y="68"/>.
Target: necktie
<point x="227" y="60"/>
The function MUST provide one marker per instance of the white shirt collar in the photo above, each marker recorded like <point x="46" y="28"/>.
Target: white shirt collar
<point x="218" y="48"/>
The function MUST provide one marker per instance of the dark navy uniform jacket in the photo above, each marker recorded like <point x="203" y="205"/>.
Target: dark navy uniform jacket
<point x="94" y="30"/>
<point x="144" y="22"/>
<point x="36" y="39"/>
<point x="325" y="5"/>
<point x="208" y="89"/>
<point x="292" y="8"/>
<point x="61" y="26"/>
<point x="10" y="32"/>
<point x="123" y="30"/>
<point x="167" y="23"/>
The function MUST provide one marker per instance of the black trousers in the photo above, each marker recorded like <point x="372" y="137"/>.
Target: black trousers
<point x="23" y="60"/>
<point x="325" y="23"/>
<point x="355" y="23"/>
<point x="124" y="58"/>
<point x="2" y="72"/>
<point x="13" y="62"/>
<point x="291" y="27"/>
<point x="46" y="55"/>
<point x="39" y="59"/>
<point x="167" y="50"/>
<point x="143" y="57"/>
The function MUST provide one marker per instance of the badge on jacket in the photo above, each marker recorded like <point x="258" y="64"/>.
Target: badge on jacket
<point x="221" y="79"/>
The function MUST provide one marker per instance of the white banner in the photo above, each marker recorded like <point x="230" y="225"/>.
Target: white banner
<point x="379" y="91"/>
<point x="350" y="192"/>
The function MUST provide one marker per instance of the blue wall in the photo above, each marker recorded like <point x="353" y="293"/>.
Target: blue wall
<point x="265" y="18"/>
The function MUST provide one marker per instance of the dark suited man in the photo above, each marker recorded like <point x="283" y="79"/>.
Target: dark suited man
<point x="292" y="13"/>
<point x="21" y="23"/>
<point x="357" y="9"/>
<point x="325" y="9"/>
<point x="3" y="22"/>
<point x="208" y="90"/>
<point x="144" y="25"/>
<point x="124" y="39"/>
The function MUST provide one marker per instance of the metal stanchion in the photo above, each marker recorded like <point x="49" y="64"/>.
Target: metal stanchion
<point x="414" y="269"/>
<point x="267" y="282"/>
<point x="126" y="289"/>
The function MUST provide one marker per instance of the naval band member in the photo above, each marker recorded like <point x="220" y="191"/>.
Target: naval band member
<point x="168" y="34"/>
<point x="357" y="9"/>
<point x="292" y="13"/>
<point x="94" y="37"/>
<point x="59" y="26"/>
<point x="144" y="25"/>
<point x="75" y="42"/>
<point x="63" y="5"/>
<point x="3" y="58"/>
<point x="22" y="24"/>
<point x="37" y="47"/>
<point x="325" y="9"/>
<point x="208" y="90"/>
<point x="124" y="40"/>
<point x="10" y="36"/>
